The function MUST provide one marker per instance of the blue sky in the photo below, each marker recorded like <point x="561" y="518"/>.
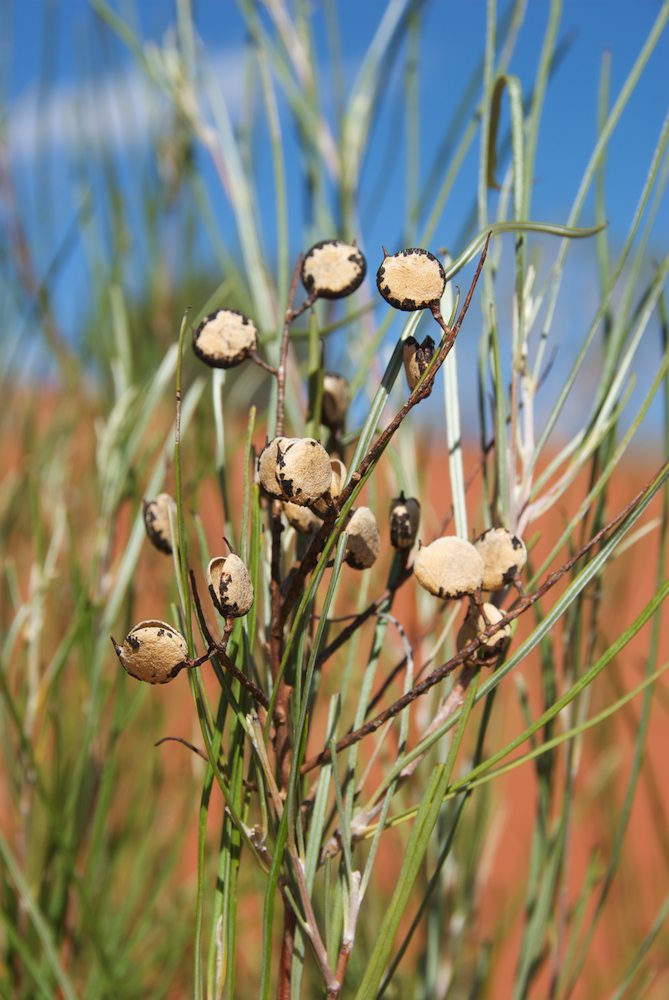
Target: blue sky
<point x="66" y="77"/>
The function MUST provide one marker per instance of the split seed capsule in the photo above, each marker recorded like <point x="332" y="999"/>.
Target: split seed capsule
<point x="224" y="339"/>
<point x="411" y="279"/>
<point x="333" y="269"/>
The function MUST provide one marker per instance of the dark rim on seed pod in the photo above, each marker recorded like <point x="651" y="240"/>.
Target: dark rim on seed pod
<point x="224" y="338"/>
<point x="332" y="269"/>
<point x="157" y="521"/>
<point x="411" y="279"/>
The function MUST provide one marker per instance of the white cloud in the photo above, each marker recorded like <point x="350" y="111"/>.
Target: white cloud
<point x="115" y="111"/>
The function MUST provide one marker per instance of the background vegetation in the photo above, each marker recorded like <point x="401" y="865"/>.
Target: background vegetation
<point x="509" y="868"/>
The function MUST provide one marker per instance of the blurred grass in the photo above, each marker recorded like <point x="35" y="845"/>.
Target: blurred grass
<point x="97" y="839"/>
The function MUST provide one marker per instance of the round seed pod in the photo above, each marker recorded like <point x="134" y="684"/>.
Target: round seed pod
<point x="301" y="518"/>
<point x="157" y="521"/>
<point x="230" y="586"/>
<point x="224" y="339"/>
<point x="268" y="464"/>
<point x="449" y="568"/>
<point x="336" y="399"/>
<point x="504" y="555"/>
<point x="153" y="652"/>
<point x="416" y="358"/>
<point x="303" y="470"/>
<point x="411" y="279"/>
<point x="296" y="469"/>
<point x="364" y="541"/>
<point x="333" y="269"/>
<point x="404" y="520"/>
<point x="475" y="623"/>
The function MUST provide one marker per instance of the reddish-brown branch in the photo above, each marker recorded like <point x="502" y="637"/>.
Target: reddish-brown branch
<point x="257" y="360"/>
<point x="468" y="651"/>
<point x="287" y="948"/>
<point x="281" y="735"/>
<point x="359" y="620"/>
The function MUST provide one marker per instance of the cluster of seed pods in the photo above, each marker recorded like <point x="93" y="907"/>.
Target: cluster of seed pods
<point x="299" y="472"/>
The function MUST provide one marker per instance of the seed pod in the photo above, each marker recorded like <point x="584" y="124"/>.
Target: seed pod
<point x="157" y="521"/>
<point x="324" y="504"/>
<point x="230" y="586"/>
<point x="475" y="623"/>
<point x="504" y="555"/>
<point x="303" y="470"/>
<point x="416" y="359"/>
<point x="449" y="568"/>
<point x="224" y="339"/>
<point x="364" y="542"/>
<point x="268" y="465"/>
<point x="302" y="519"/>
<point x="411" y="279"/>
<point x="338" y="477"/>
<point x="153" y="652"/>
<point x="332" y="269"/>
<point x="296" y="469"/>
<point x="336" y="398"/>
<point x="404" y="520"/>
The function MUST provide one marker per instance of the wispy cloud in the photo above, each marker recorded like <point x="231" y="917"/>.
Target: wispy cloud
<point x="115" y="111"/>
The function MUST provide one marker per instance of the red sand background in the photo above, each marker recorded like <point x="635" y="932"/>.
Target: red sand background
<point x="643" y="881"/>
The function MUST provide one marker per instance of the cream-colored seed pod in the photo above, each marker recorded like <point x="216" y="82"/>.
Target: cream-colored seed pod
<point x="416" y="358"/>
<point x="157" y="521"/>
<point x="304" y="520"/>
<point x="474" y="624"/>
<point x="364" y="541"/>
<point x="449" y="568"/>
<point x="153" y="652"/>
<point x="268" y="466"/>
<point x="332" y="269"/>
<point x="322" y="506"/>
<point x="303" y="470"/>
<point x="338" y="477"/>
<point x="224" y="339"/>
<point x="504" y="555"/>
<point x="230" y="586"/>
<point x="404" y="520"/>
<point x="411" y="279"/>
<point x="336" y="399"/>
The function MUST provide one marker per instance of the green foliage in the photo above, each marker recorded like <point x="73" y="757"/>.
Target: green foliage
<point x="92" y="903"/>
